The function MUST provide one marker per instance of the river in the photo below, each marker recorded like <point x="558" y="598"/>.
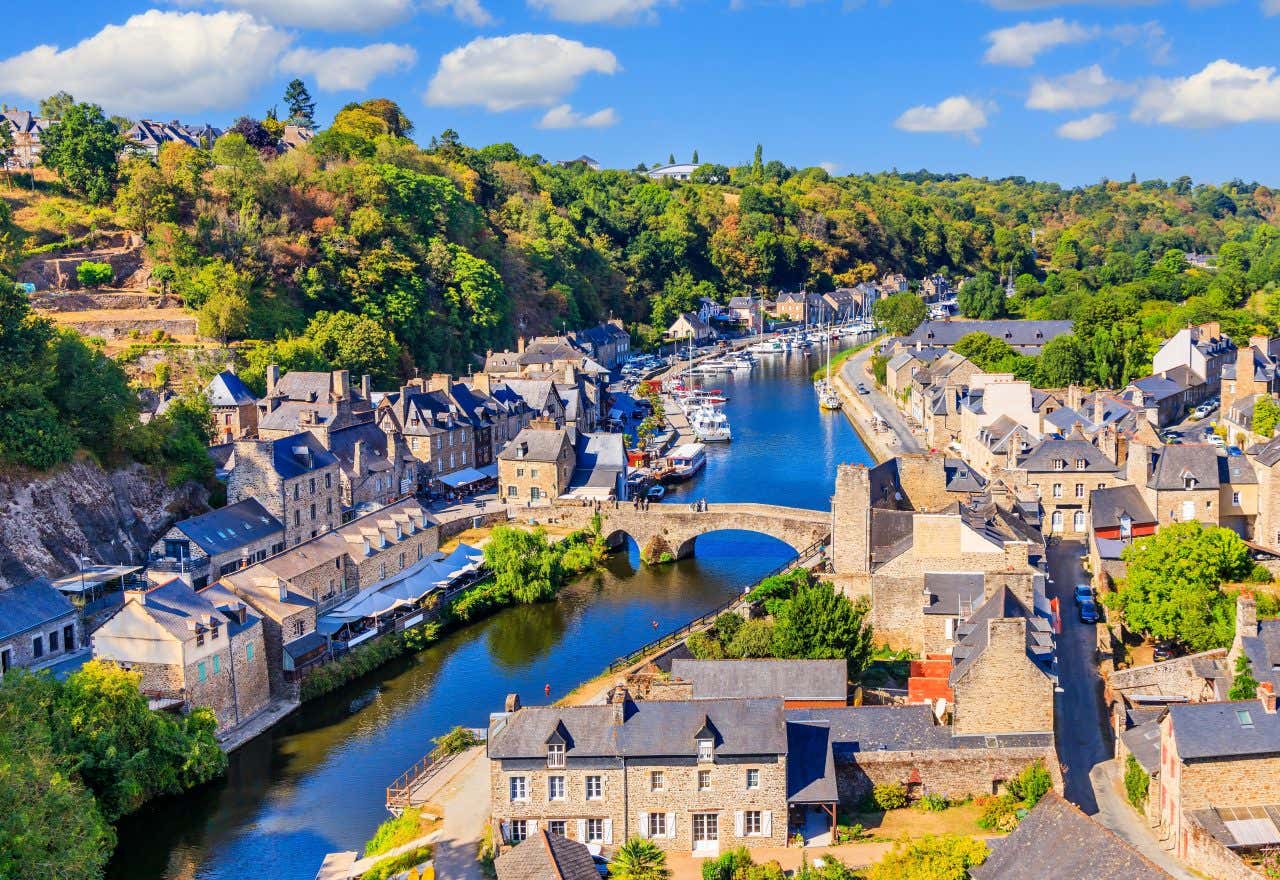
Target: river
<point x="315" y="784"/>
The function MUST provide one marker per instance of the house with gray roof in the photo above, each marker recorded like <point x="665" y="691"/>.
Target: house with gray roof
<point x="38" y="626"/>
<point x="799" y="684"/>
<point x="294" y="477"/>
<point x="547" y="856"/>
<point x="688" y="326"/>
<point x="538" y="465"/>
<point x="203" y="548"/>
<point x="26" y="129"/>
<point x="235" y="408"/>
<point x="1064" y="473"/>
<point x="1036" y="850"/>
<point x="192" y="649"/>
<point x="1025" y="337"/>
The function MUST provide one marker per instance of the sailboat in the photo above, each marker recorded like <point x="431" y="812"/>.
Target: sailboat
<point x="828" y="399"/>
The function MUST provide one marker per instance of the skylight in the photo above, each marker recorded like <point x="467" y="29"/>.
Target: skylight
<point x="1245" y="719"/>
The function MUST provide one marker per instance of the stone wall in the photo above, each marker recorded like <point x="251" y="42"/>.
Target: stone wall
<point x="1174" y="678"/>
<point x="234" y="693"/>
<point x="1003" y="691"/>
<point x="953" y="773"/>
<point x="1201" y="851"/>
<point x="851" y="515"/>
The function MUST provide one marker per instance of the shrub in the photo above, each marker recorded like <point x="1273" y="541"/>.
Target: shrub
<point x="727" y="626"/>
<point x="941" y="857"/>
<point x="932" y="803"/>
<point x="91" y="274"/>
<point x="1136" y="783"/>
<point x="362" y="659"/>
<point x="396" y="864"/>
<point x="1031" y="784"/>
<point x="728" y="866"/>
<point x="457" y="740"/>
<point x="889" y="796"/>
<point x="704" y="646"/>
<point x="639" y="859"/>
<point x="396" y="831"/>
<point x="999" y="812"/>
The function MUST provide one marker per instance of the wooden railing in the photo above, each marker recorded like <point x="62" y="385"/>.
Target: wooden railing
<point x="400" y="791"/>
<point x="705" y="620"/>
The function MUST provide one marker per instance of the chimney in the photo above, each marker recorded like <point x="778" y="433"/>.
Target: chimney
<point x="1138" y="469"/>
<point x="358" y="455"/>
<point x="1074" y="397"/>
<point x="341" y="384"/>
<point x="273" y="378"/>
<point x="1246" y="626"/>
<point x="139" y="596"/>
<point x="520" y="344"/>
<point x="439" y="382"/>
<point x="512" y="704"/>
<point x="618" y="698"/>
<point x="481" y="382"/>
<point x="366" y="387"/>
<point x="1099" y="408"/>
<point x="1267" y="695"/>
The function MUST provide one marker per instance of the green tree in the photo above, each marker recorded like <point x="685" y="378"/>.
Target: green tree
<point x="145" y="197"/>
<point x="8" y="153"/>
<point x="1266" y="415"/>
<point x="1243" y="685"/>
<point x="983" y="349"/>
<point x="900" y="313"/>
<point x="981" y="297"/>
<point x="1062" y="362"/>
<point x="819" y="623"/>
<point x="1137" y="784"/>
<point x="754" y="639"/>
<point x="1173" y="585"/>
<point x="224" y="313"/>
<point x="91" y="394"/>
<point x="56" y="106"/>
<point x="91" y="274"/>
<point x="356" y="343"/>
<point x="932" y="857"/>
<point x="82" y="147"/>
<point x="639" y="859"/>
<point x="302" y="109"/>
<point x="523" y="564"/>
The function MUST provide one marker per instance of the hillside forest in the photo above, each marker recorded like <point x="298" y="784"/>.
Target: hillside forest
<point x="368" y="251"/>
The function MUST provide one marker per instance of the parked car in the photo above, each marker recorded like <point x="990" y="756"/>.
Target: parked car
<point x="1234" y="450"/>
<point x="1088" y="611"/>
<point x="1083" y="593"/>
<point x="862" y="389"/>
<point x="1164" y="651"/>
<point x="1217" y="441"/>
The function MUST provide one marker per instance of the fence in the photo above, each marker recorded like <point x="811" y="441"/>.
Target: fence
<point x="707" y="619"/>
<point x="400" y="791"/>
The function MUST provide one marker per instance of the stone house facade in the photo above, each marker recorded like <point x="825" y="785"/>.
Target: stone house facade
<point x="693" y="776"/>
<point x="537" y="466"/>
<point x="295" y="478"/>
<point x="203" y="548"/>
<point x="235" y="409"/>
<point x="38" y="626"/>
<point x="192" y="648"/>
<point x="1001" y="683"/>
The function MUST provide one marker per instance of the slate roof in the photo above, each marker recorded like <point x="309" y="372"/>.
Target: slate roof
<point x="785" y="679"/>
<point x="1019" y="334"/>
<point x="1143" y="741"/>
<point x="1106" y="506"/>
<point x="289" y="461"/>
<point x="650" y="729"/>
<point x="600" y="458"/>
<point x="31" y="605"/>
<point x="1235" y="469"/>
<point x="226" y="389"/>
<point x="1218" y="730"/>
<point x="342" y="443"/>
<point x="1042" y="457"/>
<point x="535" y="392"/>
<point x="1175" y="463"/>
<point x="892" y="533"/>
<point x="877" y="728"/>
<point x="546" y="856"/>
<point x="811" y="769"/>
<point x="953" y="594"/>
<point x="231" y="527"/>
<point x="1158" y="387"/>
<point x="536" y="444"/>
<point x="181" y="610"/>
<point x="1058" y="842"/>
<point x="972" y="635"/>
<point x="1263" y="651"/>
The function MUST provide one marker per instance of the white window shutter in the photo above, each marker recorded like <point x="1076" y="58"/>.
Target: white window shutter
<point x="608" y="831"/>
<point x="531" y="827"/>
<point x="737" y="823"/>
<point x="642" y="824"/>
<point x="582" y="830"/>
<point x="505" y="828"/>
<point x="671" y="825"/>
<point x="766" y="823"/>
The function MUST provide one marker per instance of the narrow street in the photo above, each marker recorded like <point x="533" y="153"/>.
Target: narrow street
<point x="1085" y="748"/>
<point x="854" y="371"/>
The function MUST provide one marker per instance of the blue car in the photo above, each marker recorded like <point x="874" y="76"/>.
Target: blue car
<point x="1084" y="593"/>
<point x="1234" y="450"/>
<point x="1088" y="611"/>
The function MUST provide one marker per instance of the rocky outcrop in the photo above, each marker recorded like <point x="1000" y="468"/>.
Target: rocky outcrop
<point x="47" y="520"/>
<point x="123" y="251"/>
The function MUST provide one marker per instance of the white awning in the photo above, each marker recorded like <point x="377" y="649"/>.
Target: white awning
<point x="94" y="576"/>
<point x="463" y="477"/>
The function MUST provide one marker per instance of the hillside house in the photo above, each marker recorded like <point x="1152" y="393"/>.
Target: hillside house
<point x="203" y="548"/>
<point x="38" y="627"/>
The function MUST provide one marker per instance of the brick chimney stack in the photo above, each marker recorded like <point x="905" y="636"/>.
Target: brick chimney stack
<point x="618" y="698"/>
<point x="1267" y="694"/>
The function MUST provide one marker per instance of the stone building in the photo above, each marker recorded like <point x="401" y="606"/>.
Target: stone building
<point x="192" y="648"/>
<point x="1063" y="474"/>
<point x="206" y="547"/>
<point x="1266" y="461"/>
<point x="300" y="400"/>
<point x="38" y="626"/>
<point x="691" y="775"/>
<point x="432" y="425"/>
<point x="1253" y="373"/>
<point x="509" y="413"/>
<point x="375" y="467"/>
<point x="801" y="684"/>
<point x="607" y="343"/>
<point x="537" y="465"/>
<point x="235" y="409"/>
<point x="295" y="478"/>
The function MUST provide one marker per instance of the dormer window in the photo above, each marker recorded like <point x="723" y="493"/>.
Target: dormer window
<point x="1059" y="464"/>
<point x="706" y="751"/>
<point x="1080" y="464"/>
<point x="555" y="755"/>
<point x="1188" y="482"/>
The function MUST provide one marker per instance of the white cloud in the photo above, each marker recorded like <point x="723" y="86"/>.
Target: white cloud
<point x="829" y="167"/>
<point x="1019" y="44"/>
<point x="1094" y="125"/>
<point x="955" y="115"/>
<point x="1223" y="93"/>
<point x="521" y="70"/>
<point x="1271" y="7"/>
<point x="1149" y="35"/>
<point x="596" y="11"/>
<point x="156" y="63"/>
<point x="1087" y="87"/>
<point x="350" y="15"/>
<point x="347" y="69"/>
<point x="564" y="116"/>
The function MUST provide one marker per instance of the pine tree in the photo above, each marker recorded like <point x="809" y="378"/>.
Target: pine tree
<point x="671" y="158"/>
<point x="757" y="163"/>
<point x="302" y="109"/>
<point x="695" y="158"/>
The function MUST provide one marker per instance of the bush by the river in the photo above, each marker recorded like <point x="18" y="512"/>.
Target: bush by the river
<point x="359" y="660"/>
<point x="76" y="755"/>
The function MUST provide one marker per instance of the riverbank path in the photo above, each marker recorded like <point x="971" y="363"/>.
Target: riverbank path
<point x="854" y="370"/>
<point x="464" y="799"/>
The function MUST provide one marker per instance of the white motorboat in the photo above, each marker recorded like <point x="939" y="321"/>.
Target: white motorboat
<point x="710" y="425"/>
<point x="684" y="462"/>
<point x="768" y="346"/>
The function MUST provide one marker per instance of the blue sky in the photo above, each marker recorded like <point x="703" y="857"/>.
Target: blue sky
<point x="1069" y="91"/>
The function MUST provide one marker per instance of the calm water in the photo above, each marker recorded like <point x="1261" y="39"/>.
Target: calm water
<point x="316" y="783"/>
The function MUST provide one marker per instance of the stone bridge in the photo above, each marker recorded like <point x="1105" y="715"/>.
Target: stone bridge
<point x="665" y="532"/>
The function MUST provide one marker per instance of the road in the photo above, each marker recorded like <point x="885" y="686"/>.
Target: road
<point x="855" y="371"/>
<point x="1083" y="735"/>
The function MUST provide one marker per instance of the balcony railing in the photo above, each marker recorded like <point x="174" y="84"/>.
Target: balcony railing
<point x="179" y="566"/>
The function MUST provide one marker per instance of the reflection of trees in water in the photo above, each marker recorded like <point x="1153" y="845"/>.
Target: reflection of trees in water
<point x="518" y="636"/>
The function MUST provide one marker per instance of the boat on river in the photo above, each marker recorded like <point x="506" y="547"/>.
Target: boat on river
<point x="710" y="425"/>
<point x="684" y="462"/>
